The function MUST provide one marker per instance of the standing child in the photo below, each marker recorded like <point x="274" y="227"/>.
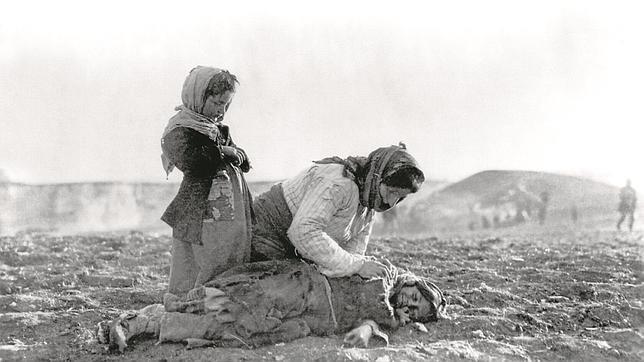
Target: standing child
<point x="211" y="214"/>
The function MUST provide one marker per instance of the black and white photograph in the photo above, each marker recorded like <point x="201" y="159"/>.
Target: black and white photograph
<point x="321" y="181"/>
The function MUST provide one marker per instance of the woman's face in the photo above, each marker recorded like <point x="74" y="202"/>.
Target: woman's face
<point x="416" y="305"/>
<point x="217" y="104"/>
<point x="390" y="196"/>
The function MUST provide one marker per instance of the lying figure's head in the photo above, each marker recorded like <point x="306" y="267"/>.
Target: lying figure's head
<point x="418" y="298"/>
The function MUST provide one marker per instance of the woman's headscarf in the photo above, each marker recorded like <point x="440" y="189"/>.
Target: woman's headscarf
<point x="189" y="115"/>
<point x="369" y="172"/>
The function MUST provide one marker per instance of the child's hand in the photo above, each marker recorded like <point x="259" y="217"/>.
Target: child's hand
<point x="359" y="336"/>
<point x="403" y="315"/>
<point x="231" y="155"/>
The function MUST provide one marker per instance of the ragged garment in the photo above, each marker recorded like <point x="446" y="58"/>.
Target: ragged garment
<point x="274" y="301"/>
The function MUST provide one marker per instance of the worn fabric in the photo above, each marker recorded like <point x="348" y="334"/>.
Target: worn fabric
<point x="368" y="172"/>
<point x="355" y="300"/>
<point x="183" y="268"/>
<point x="272" y="221"/>
<point x="266" y="303"/>
<point x="222" y="243"/>
<point x="332" y="205"/>
<point x="188" y="209"/>
<point x="253" y="304"/>
<point x="192" y="142"/>
<point x="330" y="227"/>
<point x="274" y="301"/>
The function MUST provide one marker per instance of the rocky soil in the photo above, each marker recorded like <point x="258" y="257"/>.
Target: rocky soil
<point x="516" y="295"/>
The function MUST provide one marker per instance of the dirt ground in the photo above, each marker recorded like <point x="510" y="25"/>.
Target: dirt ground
<point x="516" y="295"/>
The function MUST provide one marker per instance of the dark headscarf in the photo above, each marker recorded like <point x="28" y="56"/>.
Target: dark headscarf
<point x="368" y="172"/>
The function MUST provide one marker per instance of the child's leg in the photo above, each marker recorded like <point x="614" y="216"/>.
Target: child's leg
<point x="622" y="216"/>
<point x="289" y="330"/>
<point x="200" y="300"/>
<point x="179" y="327"/>
<point x="183" y="269"/>
<point x="226" y="240"/>
<point x="222" y="249"/>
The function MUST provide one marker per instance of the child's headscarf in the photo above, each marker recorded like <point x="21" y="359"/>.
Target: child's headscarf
<point x="369" y="172"/>
<point x="189" y="115"/>
<point x="427" y="289"/>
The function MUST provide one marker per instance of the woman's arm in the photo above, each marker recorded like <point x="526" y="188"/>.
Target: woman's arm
<point x="308" y="230"/>
<point x="358" y="243"/>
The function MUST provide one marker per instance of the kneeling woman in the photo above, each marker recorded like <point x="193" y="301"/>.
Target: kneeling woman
<point x="325" y="213"/>
<point x="278" y="301"/>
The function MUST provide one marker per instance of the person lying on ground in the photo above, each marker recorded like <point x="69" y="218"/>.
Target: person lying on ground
<point x="278" y="301"/>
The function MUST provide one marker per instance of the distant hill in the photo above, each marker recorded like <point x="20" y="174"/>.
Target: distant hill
<point x="392" y="220"/>
<point x="439" y="205"/>
<point x="499" y="195"/>
<point x="90" y="206"/>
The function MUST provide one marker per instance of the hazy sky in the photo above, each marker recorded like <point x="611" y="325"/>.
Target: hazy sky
<point x="86" y="89"/>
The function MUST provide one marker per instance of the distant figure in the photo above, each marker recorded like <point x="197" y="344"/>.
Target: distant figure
<point x="520" y="216"/>
<point x="574" y="213"/>
<point x="627" y="204"/>
<point x="485" y="223"/>
<point x="544" y="197"/>
<point x="496" y="220"/>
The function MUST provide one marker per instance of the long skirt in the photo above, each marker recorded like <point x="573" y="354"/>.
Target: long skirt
<point x="226" y="234"/>
<point x="272" y="220"/>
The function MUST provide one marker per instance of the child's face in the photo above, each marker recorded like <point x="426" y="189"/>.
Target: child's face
<point x="416" y="305"/>
<point x="217" y="104"/>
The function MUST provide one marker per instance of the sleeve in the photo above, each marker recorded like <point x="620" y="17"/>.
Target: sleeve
<point x="358" y="243"/>
<point x="191" y="151"/>
<point x="242" y="157"/>
<point x="308" y="235"/>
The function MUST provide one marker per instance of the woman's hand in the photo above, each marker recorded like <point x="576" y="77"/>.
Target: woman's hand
<point x="373" y="269"/>
<point x="359" y="336"/>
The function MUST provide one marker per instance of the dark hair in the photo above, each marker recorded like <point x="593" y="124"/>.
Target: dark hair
<point x="220" y="83"/>
<point x="409" y="178"/>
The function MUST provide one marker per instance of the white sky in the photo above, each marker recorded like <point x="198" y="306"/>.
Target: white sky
<point x="86" y="89"/>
